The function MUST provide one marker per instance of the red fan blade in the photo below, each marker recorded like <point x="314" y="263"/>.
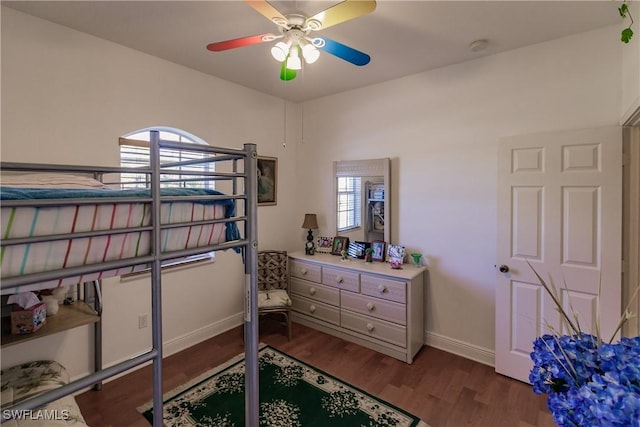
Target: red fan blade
<point x="341" y="12"/>
<point x="268" y="11"/>
<point x="241" y="42"/>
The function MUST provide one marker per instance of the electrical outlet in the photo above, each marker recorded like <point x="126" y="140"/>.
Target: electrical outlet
<point x="142" y="321"/>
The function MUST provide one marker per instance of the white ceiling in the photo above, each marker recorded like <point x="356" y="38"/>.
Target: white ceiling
<point x="402" y="37"/>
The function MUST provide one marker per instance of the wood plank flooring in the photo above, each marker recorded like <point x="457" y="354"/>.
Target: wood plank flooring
<point x="442" y="389"/>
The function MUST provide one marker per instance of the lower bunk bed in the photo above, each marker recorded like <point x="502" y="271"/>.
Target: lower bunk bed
<point x="30" y="379"/>
<point x="78" y="230"/>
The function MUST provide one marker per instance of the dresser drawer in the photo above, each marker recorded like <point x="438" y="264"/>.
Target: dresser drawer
<point x="342" y="279"/>
<point x="315" y="291"/>
<point x="374" y="328"/>
<point x="391" y="290"/>
<point x="375" y="307"/>
<point x="316" y="309"/>
<point x="305" y="270"/>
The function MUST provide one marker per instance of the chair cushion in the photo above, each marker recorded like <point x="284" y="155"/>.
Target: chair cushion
<point x="273" y="298"/>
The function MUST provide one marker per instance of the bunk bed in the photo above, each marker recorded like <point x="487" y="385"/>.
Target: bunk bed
<point x="224" y="221"/>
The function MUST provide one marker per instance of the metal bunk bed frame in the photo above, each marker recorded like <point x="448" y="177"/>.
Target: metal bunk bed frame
<point x="248" y="245"/>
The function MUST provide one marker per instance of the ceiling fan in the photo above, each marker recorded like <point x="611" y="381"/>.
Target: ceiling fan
<point x="295" y="35"/>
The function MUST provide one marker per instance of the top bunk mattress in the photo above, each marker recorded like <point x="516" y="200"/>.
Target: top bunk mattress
<point x="112" y="211"/>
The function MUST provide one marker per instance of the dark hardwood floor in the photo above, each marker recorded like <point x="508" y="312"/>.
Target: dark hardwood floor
<point x="440" y="388"/>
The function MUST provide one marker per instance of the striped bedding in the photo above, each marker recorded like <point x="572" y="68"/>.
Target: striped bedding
<point x="56" y="254"/>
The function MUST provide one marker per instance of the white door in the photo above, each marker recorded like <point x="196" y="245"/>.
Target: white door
<point x="560" y="209"/>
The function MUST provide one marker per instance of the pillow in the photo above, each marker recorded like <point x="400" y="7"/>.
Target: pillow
<point x="6" y="397"/>
<point x="60" y="180"/>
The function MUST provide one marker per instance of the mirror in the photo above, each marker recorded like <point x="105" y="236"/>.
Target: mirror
<point x="362" y="203"/>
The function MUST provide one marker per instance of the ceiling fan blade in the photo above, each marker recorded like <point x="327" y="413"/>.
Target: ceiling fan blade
<point x="268" y="11"/>
<point x="241" y="42"/>
<point x="285" y="73"/>
<point x="341" y="12"/>
<point x="342" y="51"/>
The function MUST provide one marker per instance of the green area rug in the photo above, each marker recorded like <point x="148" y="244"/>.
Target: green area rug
<point x="292" y="393"/>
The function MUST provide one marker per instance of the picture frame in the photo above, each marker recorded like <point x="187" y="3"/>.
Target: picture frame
<point x="324" y="245"/>
<point x="339" y="244"/>
<point x="395" y="253"/>
<point x="379" y="250"/>
<point x="357" y="249"/>
<point x="267" y="180"/>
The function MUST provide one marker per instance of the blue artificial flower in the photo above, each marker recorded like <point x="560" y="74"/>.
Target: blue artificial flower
<point x="587" y="383"/>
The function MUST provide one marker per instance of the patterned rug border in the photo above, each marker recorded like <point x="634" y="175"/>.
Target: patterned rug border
<point x="239" y="358"/>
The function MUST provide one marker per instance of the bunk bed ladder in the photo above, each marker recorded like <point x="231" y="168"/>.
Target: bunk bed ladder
<point x="251" y="288"/>
<point x="156" y="295"/>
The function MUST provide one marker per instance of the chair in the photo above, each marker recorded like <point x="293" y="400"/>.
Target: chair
<point x="273" y="281"/>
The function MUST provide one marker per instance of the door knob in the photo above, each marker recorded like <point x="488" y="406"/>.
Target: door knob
<point x="503" y="268"/>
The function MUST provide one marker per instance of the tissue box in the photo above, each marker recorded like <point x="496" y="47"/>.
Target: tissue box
<point x="26" y="321"/>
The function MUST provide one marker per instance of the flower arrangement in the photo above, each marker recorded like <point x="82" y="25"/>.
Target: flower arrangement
<point x="589" y="382"/>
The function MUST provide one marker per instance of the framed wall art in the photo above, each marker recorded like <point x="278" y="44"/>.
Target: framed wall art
<point x="267" y="180"/>
<point x="379" y="247"/>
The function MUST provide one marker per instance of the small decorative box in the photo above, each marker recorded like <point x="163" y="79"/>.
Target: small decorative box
<point x="26" y="321"/>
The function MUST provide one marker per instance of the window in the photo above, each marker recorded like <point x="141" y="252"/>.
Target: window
<point x="134" y="152"/>
<point x="349" y="202"/>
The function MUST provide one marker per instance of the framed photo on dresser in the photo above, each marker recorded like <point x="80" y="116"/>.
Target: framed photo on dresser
<point x="378" y="247"/>
<point x="339" y="244"/>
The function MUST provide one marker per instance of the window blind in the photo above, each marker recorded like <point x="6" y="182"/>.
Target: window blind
<point x="349" y="202"/>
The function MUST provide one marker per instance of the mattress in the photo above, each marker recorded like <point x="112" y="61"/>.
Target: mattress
<point x="52" y="221"/>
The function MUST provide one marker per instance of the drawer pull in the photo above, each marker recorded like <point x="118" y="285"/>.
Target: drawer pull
<point x="303" y="271"/>
<point x="370" y="327"/>
<point x="312" y="291"/>
<point x="383" y="289"/>
<point x="339" y="279"/>
<point x="371" y="306"/>
<point x="312" y="308"/>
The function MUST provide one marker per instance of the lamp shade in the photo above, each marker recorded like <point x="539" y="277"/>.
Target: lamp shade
<point x="310" y="221"/>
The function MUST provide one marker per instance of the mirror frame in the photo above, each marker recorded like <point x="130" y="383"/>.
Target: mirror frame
<point x="365" y="168"/>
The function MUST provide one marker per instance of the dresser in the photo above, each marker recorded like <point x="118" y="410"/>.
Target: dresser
<point x="369" y="304"/>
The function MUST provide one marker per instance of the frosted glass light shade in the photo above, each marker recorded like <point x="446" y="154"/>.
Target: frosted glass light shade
<point x="279" y="51"/>
<point x="310" y="53"/>
<point x="294" y="63"/>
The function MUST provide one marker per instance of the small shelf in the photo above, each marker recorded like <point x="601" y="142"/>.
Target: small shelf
<point x="68" y="317"/>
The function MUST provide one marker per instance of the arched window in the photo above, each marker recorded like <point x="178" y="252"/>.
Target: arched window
<point x="134" y="152"/>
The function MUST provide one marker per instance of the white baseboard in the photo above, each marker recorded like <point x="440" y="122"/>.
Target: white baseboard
<point x="180" y="343"/>
<point x="185" y="341"/>
<point x="476" y="353"/>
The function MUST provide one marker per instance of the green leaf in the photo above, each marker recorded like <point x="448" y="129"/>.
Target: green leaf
<point x="627" y="33"/>
<point x="623" y="10"/>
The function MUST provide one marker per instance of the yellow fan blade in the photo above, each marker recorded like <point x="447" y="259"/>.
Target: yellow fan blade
<point x="268" y="11"/>
<point x="341" y="12"/>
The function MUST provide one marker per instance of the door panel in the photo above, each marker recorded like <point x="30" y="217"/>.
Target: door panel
<point x="560" y="210"/>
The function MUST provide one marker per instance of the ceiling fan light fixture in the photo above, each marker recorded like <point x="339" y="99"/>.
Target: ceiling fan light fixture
<point x="280" y="51"/>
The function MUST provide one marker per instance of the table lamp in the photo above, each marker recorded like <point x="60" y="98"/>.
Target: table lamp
<point x="310" y="222"/>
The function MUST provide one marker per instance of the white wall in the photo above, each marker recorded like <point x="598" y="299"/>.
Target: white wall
<point x="441" y="129"/>
<point x="66" y="98"/>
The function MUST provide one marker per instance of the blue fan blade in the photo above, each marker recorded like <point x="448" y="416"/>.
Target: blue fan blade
<point x="345" y="52"/>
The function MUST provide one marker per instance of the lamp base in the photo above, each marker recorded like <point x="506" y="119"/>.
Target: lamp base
<point x="309" y="247"/>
